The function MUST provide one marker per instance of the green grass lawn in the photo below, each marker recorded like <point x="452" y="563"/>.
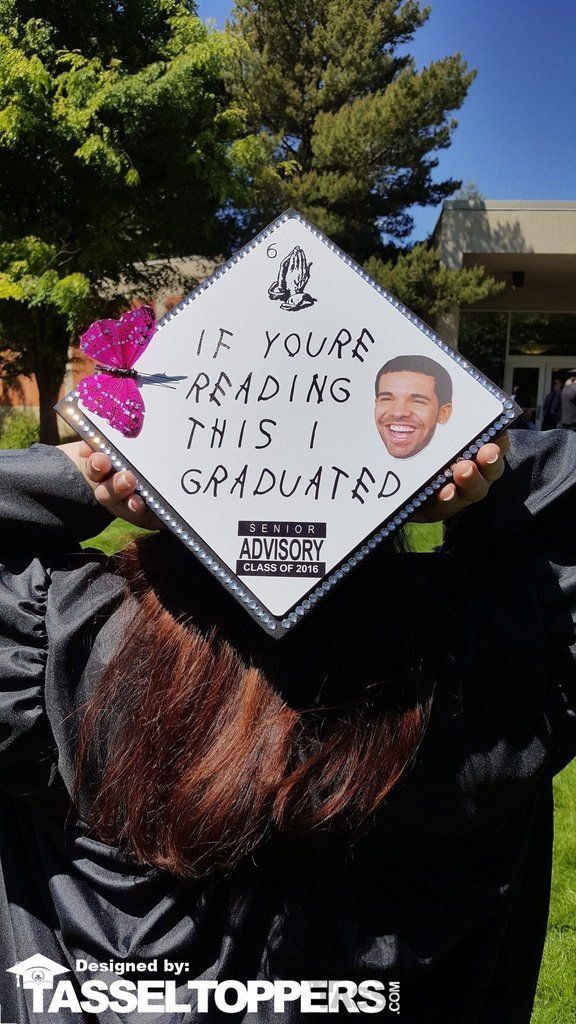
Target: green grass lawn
<point x="556" y="999"/>
<point x="424" y="536"/>
<point x="421" y="537"/>
<point x="114" y="537"/>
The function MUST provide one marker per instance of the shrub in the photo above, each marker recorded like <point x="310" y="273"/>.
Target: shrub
<point x="19" y="430"/>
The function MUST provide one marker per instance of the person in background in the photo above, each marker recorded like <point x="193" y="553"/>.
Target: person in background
<point x="551" y="410"/>
<point x="525" y="421"/>
<point x="568" y="403"/>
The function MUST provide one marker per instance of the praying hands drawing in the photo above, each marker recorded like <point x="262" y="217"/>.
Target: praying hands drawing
<point x="291" y="282"/>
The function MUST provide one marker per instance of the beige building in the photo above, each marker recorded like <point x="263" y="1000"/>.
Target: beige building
<point x="527" y="336"/>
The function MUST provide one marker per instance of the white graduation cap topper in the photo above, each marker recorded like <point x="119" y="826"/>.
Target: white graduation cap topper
<point x="286" y="417"/>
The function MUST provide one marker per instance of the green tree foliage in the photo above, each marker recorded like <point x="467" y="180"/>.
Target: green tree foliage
<point x="482" y="339"/>
<point x="114" y="128"/>
<point x="343" y="125"/>
<point x="420" y="280"/>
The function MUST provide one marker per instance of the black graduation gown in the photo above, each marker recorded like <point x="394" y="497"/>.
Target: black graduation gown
<point x="447" y="893"/>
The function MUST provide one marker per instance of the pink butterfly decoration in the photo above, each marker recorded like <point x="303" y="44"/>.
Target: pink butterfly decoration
<point x="112" y="391"/>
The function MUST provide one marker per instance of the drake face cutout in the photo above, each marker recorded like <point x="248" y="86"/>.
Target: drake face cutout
<point x="407" y="410"/>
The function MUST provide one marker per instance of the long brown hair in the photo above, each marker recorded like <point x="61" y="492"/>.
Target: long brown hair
<point x="192" y="751"/>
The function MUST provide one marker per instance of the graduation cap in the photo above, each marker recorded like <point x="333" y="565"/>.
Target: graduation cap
<point x="285" y="419"/>
<point x="37" y="971"/>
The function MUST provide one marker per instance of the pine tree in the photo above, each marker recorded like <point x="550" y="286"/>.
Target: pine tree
<point x="421" y="281"/>
<point x="342" y="124"/>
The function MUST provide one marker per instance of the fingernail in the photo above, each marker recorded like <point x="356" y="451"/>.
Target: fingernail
<point x="450" y="495"/>
<point x="122" y="481"/>
<point x="134" y="504"/>
<point x="99" y="462"/>
<point x="490" y="462"/>
<point x="468" y="472"/>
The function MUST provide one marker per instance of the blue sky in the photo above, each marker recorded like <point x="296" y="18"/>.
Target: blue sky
<point x="516" y="137"/>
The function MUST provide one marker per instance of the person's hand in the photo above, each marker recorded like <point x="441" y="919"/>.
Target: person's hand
<point x="113" y="490"/>
<point x="470" y="483"/>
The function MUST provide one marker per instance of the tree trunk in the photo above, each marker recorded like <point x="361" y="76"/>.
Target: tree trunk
<point x="49" y="367"/>
<point x="48" y="382"/>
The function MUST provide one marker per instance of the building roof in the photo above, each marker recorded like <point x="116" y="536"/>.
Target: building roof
<point x="509" y="204"/>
